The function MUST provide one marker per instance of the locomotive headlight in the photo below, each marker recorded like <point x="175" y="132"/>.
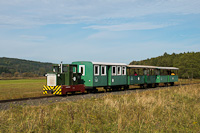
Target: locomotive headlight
<point x="58" y="75"/>
<point x="74" y="78"/>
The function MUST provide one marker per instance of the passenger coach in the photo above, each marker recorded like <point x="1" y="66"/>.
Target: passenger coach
<point x="98" y="74"/>
<point x="151" y="76"/>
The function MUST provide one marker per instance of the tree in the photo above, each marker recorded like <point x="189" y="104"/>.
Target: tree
<point x="16" y="74"/>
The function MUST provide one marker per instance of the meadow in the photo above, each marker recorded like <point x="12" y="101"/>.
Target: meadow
<point x="21" y="88"/>
<point x="175" y="109"/>
<point x="25" y="88"/>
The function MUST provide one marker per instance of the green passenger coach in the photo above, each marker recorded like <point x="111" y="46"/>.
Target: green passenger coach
<point x="98" y="74"/>
<point x="142" y="75"/>
<point x="167" y="75"/>
<point x="151" y="76"/>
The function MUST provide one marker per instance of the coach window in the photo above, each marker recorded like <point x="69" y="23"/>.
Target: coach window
<point x="119" y="70"/>
<point x="157" y="72"/>
<point x="146" y="72"/>
<point x="103" y="70"/>
<point x="113" y="70"/>
<point x="82" y="70"/>
<point x="123" y="70"/>
<point x="96" y="70"/>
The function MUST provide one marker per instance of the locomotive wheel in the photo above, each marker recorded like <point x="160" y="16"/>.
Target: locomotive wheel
<point x="88" y="91"/>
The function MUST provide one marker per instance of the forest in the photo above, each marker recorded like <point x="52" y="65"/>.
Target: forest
<point x="12" y="67"/>
<point x="188" y="63"/>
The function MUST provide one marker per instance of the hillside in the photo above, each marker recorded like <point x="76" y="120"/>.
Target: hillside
<point x="188" y="63"/>
<point x="17" y="67"/>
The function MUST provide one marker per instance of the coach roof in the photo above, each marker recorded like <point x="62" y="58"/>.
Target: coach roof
<point x="109" y="64"/>
<point x="152" y="67"/>
<point x="141" y="66"/>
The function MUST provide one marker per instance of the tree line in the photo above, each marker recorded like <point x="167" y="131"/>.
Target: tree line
<point x="12" y="67"/>
<point x="188" y="63"/>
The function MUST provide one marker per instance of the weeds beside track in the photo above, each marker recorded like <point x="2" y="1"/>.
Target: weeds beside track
<point x="93" y="94"/>
<point x="174" y="109"/>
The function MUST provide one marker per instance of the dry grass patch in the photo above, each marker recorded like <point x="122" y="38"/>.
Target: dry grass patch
<point x="170" y="110"/>
<point x="11" y="89"/>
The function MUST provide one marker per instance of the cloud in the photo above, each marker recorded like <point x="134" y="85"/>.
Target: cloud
<point x="129" y="26"/>
<point x="43" y="12"/>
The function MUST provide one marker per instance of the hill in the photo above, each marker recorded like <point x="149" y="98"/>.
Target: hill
<point x="188" y="63"/>
<point x="17" y="67"/>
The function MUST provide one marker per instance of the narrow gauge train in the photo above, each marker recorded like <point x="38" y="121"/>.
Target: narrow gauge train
<point x="84" y="76"/>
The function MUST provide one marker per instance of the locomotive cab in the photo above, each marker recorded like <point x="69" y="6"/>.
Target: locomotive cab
<point x="63" y="79"/>
<point x="65" y="74"/>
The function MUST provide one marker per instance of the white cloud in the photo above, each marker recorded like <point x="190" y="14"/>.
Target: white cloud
<point x="129" y="26"/>
<point x="42" y="12"/>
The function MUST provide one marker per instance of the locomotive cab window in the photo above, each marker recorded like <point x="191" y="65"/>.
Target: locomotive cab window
<point x="103" y="70"/>
<point x="96" y="70"/>
<point x="56" y="69"/>
<point x="113" y="70"/>
<point x="65" y="69"/>
<point x="74" y="69"/>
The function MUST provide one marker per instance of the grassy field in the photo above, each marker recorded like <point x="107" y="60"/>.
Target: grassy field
<point x="175" y="109"/>
<point x="23" y="88"/>
<point x="188" y="81"/>
<point x="11" y="89"/>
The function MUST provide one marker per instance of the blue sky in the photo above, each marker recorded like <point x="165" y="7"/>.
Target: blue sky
<point x="97" y="30"/>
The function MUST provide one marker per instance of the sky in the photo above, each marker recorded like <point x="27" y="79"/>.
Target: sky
<point x="117" y="31"/>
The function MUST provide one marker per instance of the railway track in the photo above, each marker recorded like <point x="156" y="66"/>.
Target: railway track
<point x="24" y="99"/>
<point x="79" y="94"/>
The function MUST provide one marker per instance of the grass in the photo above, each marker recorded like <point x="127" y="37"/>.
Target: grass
<point x="188" y="81"/>
<point x="23" y="88"/>
<point x="11" y="89"/>
<point x="175" y="109"/>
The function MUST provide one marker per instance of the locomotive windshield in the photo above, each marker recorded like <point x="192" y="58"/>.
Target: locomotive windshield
<point x="56" y="69"/>
<point x="65" y="69"/>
